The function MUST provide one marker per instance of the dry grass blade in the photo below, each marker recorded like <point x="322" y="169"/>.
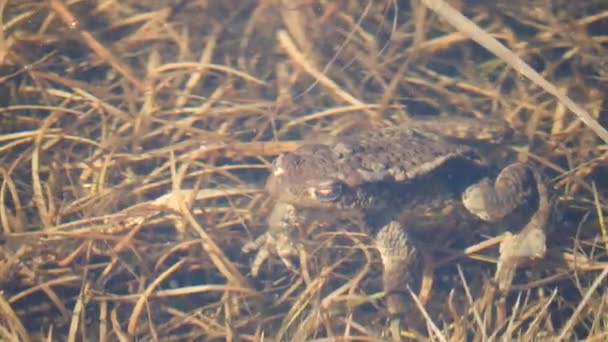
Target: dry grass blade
<point x="216" y="254"/>
<point x="320" y="77"/>
<point x="77" y="314"/>
<point x="543" y="314"/>
<point x="70" y="20"/>
<point x="600" y="214"/>
<point x="136" y="138"/>
<point x="451" y="15"/>
<point x="481" y="328"/>
<point x="4" y="49"/>
<point x="429" y="321"/>
<point x="566" y="332"/>
<point x="13" y="329"/>
<point x="143" y="298"/>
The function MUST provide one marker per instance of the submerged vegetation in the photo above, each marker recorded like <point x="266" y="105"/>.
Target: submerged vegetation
<point x="135" y="137"/>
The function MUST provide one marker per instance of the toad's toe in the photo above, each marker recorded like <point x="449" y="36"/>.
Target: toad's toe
<point x="269" y="244"/>
<point x="515" y="250"/>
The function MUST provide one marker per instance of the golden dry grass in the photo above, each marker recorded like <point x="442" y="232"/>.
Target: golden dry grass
<point x="135" y="137"/>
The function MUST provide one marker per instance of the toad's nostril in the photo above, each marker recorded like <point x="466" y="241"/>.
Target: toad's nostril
<point x="278" y="171"/>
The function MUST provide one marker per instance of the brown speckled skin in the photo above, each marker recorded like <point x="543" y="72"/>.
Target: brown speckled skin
<point x="408" y="181"/>
<point x="404" y="174"/>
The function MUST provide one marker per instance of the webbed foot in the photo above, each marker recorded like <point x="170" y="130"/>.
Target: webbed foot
<point x="268" y="244"/>
<point x="279" y="240"/>
<point x="516" y="185"/>
<point x="515" y="250"/>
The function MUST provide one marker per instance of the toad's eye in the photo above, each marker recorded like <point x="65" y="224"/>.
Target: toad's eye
<point x="327" y="191"/>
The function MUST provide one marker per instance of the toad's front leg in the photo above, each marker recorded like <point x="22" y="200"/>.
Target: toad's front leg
<point x="517" y="185"/>
<point x="280" y="239"/>
<point x="399" y="266"/>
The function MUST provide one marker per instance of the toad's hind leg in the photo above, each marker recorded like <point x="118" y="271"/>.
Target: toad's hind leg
<point x="517" y="185"/>
<point x="399" y="263"/>
<point x="491" y="200"/>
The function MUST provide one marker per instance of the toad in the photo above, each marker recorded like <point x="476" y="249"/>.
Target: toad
<point x="409" y="182"/>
